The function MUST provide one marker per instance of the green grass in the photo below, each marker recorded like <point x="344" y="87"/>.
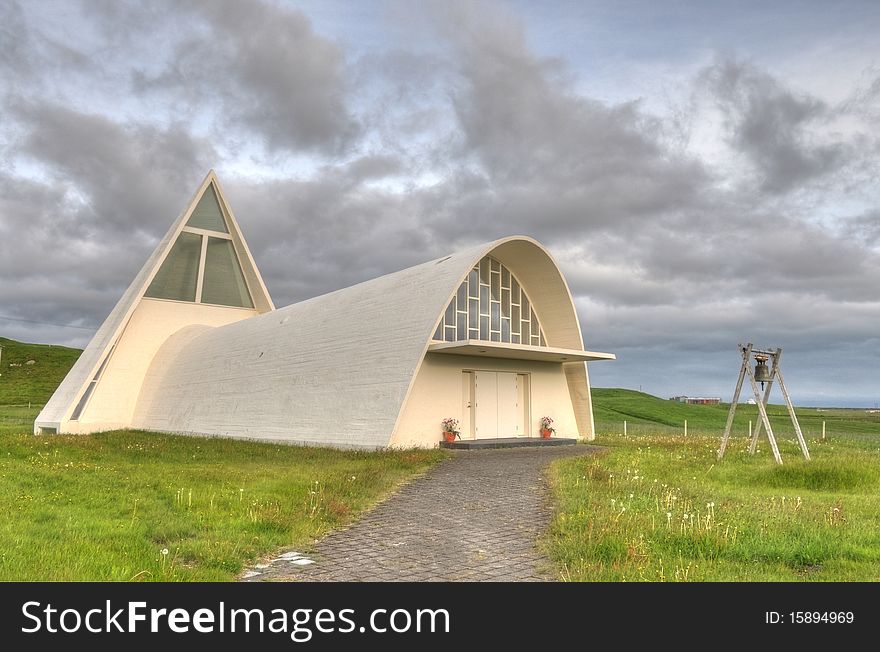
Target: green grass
<point x="103" y="507"/>
<point x="648" y="414"/>
<point x="22" y="383"/>
<point x="662" y="508"/>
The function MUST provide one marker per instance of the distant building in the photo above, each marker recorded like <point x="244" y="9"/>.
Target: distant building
<point x="697" y="400"/>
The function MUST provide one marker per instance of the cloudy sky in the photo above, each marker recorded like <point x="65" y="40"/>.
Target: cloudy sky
<point x="706" y="173"/>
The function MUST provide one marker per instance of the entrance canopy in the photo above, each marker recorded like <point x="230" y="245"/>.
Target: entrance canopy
<point x="516" y="351"/>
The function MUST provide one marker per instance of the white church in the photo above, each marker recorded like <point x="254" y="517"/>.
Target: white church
<point x="488" y="335"/>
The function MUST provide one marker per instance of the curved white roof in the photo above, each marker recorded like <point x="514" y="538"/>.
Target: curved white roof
<point x="335" y="369"/>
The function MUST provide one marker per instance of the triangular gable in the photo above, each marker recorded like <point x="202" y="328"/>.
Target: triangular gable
<point x="223" y="274"/>
<point x="206" y="264"/>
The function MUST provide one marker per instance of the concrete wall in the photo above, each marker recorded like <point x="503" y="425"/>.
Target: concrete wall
<point x="437" y="394"/>
<point x="112" y="404"/>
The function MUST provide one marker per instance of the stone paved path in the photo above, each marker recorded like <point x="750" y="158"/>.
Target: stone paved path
<point x="474" y="517"/>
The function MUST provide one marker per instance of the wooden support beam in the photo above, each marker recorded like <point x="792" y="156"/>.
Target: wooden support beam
<point x="746" y="353"/>
<point x="794" y="419"/>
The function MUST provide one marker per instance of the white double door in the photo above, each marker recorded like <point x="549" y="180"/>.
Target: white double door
<point x="499" y="404"/>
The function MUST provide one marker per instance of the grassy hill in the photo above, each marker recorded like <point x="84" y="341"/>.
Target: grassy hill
<point x="29" y="373"/>
<point x="645" y="412"/>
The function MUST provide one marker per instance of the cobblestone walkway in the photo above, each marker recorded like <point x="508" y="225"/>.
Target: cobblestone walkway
<point x="474" y="517"/>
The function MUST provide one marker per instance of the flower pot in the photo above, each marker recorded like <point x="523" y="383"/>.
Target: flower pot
<point x="449" y="437"/>
<point x="545" y="434"/>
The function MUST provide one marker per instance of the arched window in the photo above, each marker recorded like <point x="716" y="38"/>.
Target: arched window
<point x="491" y="305"/>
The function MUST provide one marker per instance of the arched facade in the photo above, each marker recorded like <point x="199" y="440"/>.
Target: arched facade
<point x="369" y="366"/>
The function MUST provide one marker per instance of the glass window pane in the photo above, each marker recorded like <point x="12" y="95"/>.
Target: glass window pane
<point x="449" y="317"/>
<point x="224" y="283"/>
<point x="462" y="326"/>
<point x="525" y="332"/>
<point x="514" y="290"/>
<point x="484" y="328"/>
<point x="473" y="313"/>
<point x="484" y="271"/>
<point x="496" y="266"/>
<point x="514" y="318"/>
<point x="177" y="277"/>
<point x="207" y="215"/>
<point x="505" y="277"/>
<point x="505" y="303"/>
<point x="450" y="333"/>
<point x="496" y="316"/>
<point x="535" y="340"/>
<point x="505" y="329"/>
<point x="543" y="341"/>
<point x="536" y="326"/>
<point x="496" y="337"/>
<point x="438" y="334"/>
<point x="484" y="300"/>
<point x="525" y="306"/>
<point x="474" y="334"/>
<point x="474" y="283"/>
<point x="514" y="339"/>
<point x="462" y="296"/>
<point x="496" y="286"/>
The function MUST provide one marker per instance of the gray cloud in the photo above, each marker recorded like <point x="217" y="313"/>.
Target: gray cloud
<point x="773" y="125"/>
<point x="267" y="69"/>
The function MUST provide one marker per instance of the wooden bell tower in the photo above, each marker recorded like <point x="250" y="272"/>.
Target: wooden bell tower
<point x="764" y="376"/>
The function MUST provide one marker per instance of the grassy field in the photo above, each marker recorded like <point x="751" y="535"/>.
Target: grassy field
<point x="108" y="506"/>
<point x="651" y="415"/>
<point x="659" y="507"/>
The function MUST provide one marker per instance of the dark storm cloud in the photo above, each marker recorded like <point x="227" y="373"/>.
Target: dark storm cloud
<point x="125" y="175"/>
<point x="773" y="125"/>
<point x="73" y="240"/>
<point x="268" y="70"/>
<point x="552" y="159"/>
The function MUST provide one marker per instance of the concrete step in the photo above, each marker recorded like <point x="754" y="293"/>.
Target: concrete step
<point x="506" y="442"/>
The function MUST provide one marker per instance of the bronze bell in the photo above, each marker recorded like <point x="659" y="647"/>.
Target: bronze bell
<point x="762" y="373"/>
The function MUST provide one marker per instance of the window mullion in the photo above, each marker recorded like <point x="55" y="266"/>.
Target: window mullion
<point x="200" y="281"/>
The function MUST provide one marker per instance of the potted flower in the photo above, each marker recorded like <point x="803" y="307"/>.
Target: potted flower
<point x="547" y="428"/>
<point x="450" y="429"/>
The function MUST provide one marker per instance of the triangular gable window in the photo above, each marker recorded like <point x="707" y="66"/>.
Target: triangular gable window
<point x="224" y="283"/>
<point x="203" y="268"/>
<point x="178" y="277"/>
<point x="207" y="214"/>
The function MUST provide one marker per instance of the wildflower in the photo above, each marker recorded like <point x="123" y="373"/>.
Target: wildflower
<point x="631" y="495"/>
<point x="164" y="551"/>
